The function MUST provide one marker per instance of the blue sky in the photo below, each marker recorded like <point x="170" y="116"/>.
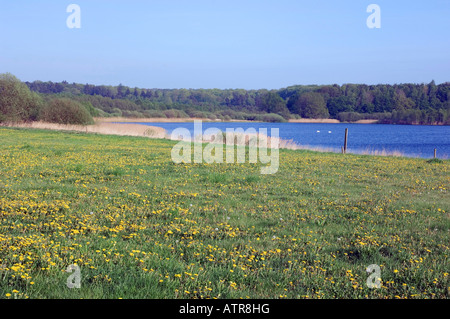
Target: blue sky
<point x="250" y="44"/>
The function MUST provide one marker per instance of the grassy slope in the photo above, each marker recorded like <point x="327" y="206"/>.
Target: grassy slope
<point x="140" y="226"/>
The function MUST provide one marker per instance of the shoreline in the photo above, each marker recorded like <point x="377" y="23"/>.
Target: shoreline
<point x="142" y="130"/>
<point x="157" y="120"/>
<point x="105" y="128"/>
<point x="191" y="119"/>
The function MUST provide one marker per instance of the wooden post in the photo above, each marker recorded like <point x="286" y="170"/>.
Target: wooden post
<point x="434" y="153"/>
<point x="345" y="140"/>
<point x="342" y="149"/>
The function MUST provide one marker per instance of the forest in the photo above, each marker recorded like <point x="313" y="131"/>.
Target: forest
<point x="396" y="104"/>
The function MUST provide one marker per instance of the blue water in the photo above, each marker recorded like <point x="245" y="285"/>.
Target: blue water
<point x="410" y="140"/>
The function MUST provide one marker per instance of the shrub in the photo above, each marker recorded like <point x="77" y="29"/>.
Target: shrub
<point x="270" y="117"/>
<point x="65" y="111"/>
<point x="196" y="114"/>
<point x="17" y="102"/>
<point x="173" y="113"/>
<point x="116" y="112"/>
<point x="133" y="114"/>
<point x="349" y="116"/>
<point x="95" y="112"/>
<point x="154" y="113"/>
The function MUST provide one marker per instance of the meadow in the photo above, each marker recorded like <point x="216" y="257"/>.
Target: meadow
<point x="140" y="226"/>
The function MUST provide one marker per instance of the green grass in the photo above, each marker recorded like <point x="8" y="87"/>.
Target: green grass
<point x="140" y="226"/>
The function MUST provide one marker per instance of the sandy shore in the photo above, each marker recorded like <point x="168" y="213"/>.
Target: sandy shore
<point x="366" y="121"/>
<point x="314" y="121"/>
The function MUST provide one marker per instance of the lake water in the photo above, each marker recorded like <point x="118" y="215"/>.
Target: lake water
<point x="410" y="140"/>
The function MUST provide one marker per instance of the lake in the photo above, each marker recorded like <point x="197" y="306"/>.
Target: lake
<point x="410" y="140"/>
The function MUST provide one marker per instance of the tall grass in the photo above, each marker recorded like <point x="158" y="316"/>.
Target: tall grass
<point x="98" y="128"/>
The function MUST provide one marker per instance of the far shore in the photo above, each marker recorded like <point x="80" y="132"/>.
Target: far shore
<point x="190" y="119"/>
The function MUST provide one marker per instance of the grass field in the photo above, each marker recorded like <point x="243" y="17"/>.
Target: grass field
<point x="140" y="226"/>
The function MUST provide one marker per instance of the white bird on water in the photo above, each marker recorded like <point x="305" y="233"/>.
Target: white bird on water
<point x="329" y="132"/>
<point x="318" y="131"/>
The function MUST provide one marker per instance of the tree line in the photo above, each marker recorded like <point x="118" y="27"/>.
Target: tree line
<point x="398" y="103"/>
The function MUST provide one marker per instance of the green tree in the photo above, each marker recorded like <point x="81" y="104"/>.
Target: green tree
<point x="311" y="105"/>
<point x="339" y="104"/>
<point x="401" y="102"/>
<point x="271" y="102"/>
<point x="65" y="111"/>
<point x="17" y="102"/>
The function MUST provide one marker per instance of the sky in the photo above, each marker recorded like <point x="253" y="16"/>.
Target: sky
<point x="226" y="44"/>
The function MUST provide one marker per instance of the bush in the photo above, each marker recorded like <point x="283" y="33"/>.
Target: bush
<point x="100" y="113"/>
<point x="65" y="111"/>
<point x="133" y="114"/>
<point x="270" y="117"/>
<point x="17" y="102"/>
<point x="196" y="114"/>
<point x="173" y="113"/>
<point x="95" y="112"/>
<point x="116" y="112"/>
<point x="349" y="116"/>
<point x="154" y="113"/>
<point x="210" y="116"/>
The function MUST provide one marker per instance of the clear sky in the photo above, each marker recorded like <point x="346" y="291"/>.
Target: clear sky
<point x="249" y="44"/>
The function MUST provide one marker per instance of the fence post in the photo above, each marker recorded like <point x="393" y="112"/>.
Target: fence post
<point x="434" y="153"/>
<point x="345" y="140"/>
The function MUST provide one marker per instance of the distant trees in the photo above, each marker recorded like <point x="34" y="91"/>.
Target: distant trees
<point x="396" y="103"/>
